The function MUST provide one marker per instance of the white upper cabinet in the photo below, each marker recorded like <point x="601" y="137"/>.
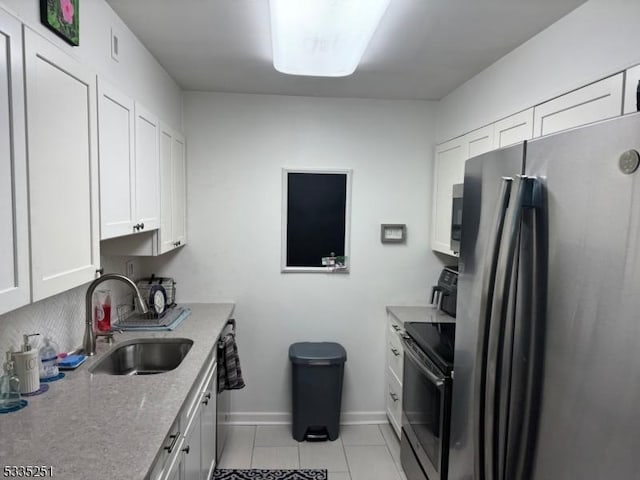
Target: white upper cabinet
<point x="479" y="141"/>
<point x="179" y="210"/>
<point x="513" y="129"/>
<point x="598" y="101"/>
<point x="172" y="231"/>
<point x="14" y="234"/>
<point x="632" y="85"/>
<point x="62" y="168"/>
<point x="449" y="170"/>
<point x="147" y="174"/>
<point x="116" y="133"/>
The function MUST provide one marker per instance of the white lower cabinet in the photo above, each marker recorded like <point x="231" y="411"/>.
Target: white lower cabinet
<point x="394" y="372"/>
<point x="208" y="419"/>
<point x="598" y="101"/>
<point x="192" y="449"/>
<point x="192" y="454"/>
<point x="62" y="168"/>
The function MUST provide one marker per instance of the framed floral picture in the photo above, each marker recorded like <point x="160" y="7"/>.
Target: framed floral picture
<point x="63" y="18"/>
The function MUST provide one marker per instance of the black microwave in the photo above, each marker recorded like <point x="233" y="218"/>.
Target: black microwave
<point x="456" y="217"/>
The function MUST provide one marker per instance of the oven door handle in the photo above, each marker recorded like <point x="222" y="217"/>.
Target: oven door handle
<point x="438" y="381"/>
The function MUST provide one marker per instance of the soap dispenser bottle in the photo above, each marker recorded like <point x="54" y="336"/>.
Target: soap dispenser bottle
<point x="9" y="385"/>
<point x="27" y="366"/>
<point x="48" y="359"/>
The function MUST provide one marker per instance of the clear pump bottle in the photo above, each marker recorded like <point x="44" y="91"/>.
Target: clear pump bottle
<point x="9" y="385"/>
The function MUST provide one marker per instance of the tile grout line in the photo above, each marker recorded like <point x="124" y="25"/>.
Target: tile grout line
<point x="346" y="460"/>
<point x="386" y="443"/>
<point x="253" y="444"/>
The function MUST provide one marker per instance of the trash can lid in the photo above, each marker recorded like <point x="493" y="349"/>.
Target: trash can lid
<point x="316" y="353"/>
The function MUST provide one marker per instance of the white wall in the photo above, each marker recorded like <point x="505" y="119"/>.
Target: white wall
<point x="237" y="146"/>
<point x="139" y="75"/>
<point x="599" y="38"/>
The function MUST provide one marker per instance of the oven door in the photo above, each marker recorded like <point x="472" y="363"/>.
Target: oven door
<point x="426" y="400"/>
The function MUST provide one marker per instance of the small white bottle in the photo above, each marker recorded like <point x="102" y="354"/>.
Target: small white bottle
<point x="48" y="359"/>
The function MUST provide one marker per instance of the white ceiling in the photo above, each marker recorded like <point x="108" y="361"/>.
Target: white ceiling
<point x="423" y="49"/>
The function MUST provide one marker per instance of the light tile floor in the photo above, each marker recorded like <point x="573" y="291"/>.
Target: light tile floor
<point x="362" y="452"/>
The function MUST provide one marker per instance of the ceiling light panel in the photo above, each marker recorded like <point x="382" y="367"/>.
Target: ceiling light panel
<point x="323" y="38"/>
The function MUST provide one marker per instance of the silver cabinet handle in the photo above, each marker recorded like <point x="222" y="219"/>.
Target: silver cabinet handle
<point x="395" y="327"/>
<point x="393" y="396"/>
<point x="395" y="352"/>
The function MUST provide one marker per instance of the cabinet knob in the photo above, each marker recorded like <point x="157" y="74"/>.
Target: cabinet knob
<point x="395" y="352"/>
<point x="186" y="449"/>
<point x="142" y="226"/>
<point x="393" y="396"/>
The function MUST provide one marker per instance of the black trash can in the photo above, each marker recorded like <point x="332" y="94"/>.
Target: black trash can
<point x="316" y="381"/>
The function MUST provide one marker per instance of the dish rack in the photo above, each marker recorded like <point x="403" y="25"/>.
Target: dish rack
<point x="169" y="285"/>
<point x="129" y="315"/>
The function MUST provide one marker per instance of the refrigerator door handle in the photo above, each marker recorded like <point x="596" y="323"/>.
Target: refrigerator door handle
<point x="488" y="286"/>
<point x="498" y="361"/>
<point x="528" y="339"/>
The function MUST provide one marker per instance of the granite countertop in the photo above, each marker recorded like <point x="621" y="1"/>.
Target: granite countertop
<point x="428" y="314"/>
<point x="105" y="426"/>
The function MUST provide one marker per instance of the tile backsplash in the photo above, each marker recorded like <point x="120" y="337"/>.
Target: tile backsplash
<point x="61" y="317"/>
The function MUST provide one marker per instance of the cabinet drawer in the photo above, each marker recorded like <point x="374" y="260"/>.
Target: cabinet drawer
<point x="394" y="402"/>
<point x="395" y="355"/>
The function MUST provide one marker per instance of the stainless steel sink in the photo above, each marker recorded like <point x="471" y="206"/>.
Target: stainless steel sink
<point x="145" y="356"/>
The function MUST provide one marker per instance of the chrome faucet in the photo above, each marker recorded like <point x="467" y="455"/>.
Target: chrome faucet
<point x="89" y="342"/>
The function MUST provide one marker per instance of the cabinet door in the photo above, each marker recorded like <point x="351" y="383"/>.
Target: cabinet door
<point x="147" y="176"/>
<point x="632" y="86"/>
<point x="14" y="235"/>
<point x="514" y="129"/>
<point x="598" y="101"/>
<point x="394" y="402"/>
<point x="179" y="207"/>
<point x="209" y="426"/>
<point x="478" y="142"/>
<point x="63" y="168"/>
<point x="116" y="135"/>
<point x="192" y="464"/>
<point x="449" y="170"/>
<point x="165" y="233"/>
<point x="172" y="232"/>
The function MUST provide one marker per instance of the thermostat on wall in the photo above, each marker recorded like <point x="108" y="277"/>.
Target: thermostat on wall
<point x="393" y="233"/>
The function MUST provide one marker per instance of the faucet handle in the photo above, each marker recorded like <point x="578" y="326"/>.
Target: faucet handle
<point x="108" y="336"/>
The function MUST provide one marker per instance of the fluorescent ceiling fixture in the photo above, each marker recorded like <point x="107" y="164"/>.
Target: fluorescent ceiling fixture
<point x="323" y="38"/>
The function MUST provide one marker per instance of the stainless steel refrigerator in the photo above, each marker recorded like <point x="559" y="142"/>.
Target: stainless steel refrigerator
<point x="547" y="357"/>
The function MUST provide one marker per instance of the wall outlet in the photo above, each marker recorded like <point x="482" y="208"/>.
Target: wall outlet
<point x="129" y="269"/>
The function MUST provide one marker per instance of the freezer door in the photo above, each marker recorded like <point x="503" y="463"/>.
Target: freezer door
<point x="484" y="205"/>
<point x="590" y="401"/>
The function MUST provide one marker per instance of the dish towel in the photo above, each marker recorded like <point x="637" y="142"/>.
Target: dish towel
<point x="229" y="372"/>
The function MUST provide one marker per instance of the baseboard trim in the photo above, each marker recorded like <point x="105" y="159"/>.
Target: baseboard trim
<point x="284" y="418"/>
